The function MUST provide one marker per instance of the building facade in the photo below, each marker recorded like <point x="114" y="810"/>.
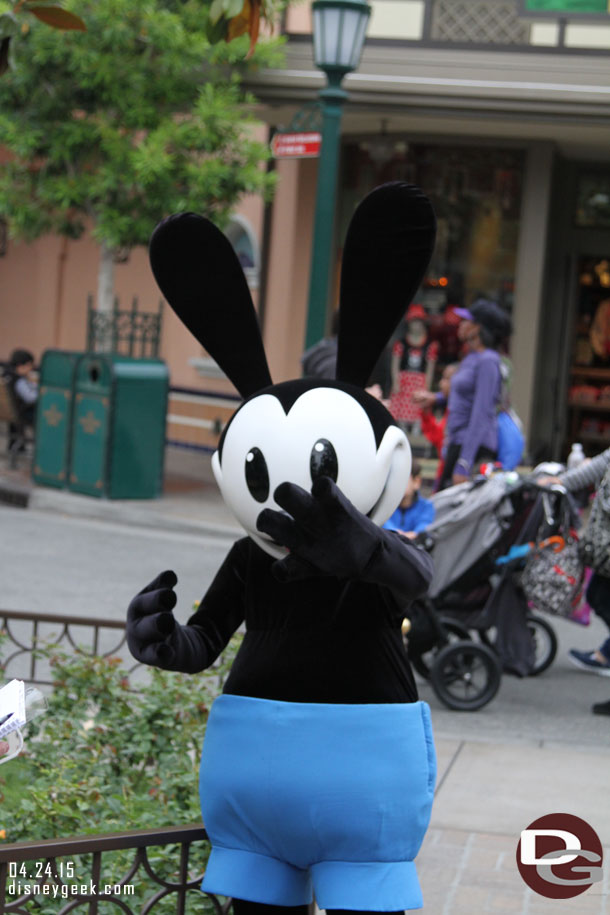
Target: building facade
<point x="500" y="111"/>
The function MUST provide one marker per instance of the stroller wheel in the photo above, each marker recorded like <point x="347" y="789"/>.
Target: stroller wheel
<point x="466" y="675"/>
<point x="543" y="638"/>
<point x="545" y="643"/>
<point x="423" y="661"/>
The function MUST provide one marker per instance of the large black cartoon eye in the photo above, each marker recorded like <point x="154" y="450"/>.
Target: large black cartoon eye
<point x="323" y="460"/>
<point x="257" y="475"/>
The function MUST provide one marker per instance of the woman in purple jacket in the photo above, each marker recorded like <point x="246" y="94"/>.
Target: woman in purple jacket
<point x="472" y="406"/>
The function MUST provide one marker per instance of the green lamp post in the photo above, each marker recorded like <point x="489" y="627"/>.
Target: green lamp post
<point x="339" y="28"/>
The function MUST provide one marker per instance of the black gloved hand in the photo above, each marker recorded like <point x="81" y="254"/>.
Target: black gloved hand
<point x="326" y="534"/>
<point x="151" y="623"/>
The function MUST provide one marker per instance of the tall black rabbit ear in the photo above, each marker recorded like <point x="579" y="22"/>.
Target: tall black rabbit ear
<point x="200" y="276"/>
<point x="389" y="244"/>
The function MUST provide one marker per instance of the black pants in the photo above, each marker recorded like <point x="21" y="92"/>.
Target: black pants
<point x="240" y="907"/>
<point x="16" y="436"/>
<point x="598" y="596"/>
<point x="17" y="431"/>
<point x="453" y="453"/>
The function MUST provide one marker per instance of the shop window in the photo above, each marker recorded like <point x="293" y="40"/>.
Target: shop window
<point x="243" y="239"/>
<point x="589" y="394"/>
<point x="476" y="194"/>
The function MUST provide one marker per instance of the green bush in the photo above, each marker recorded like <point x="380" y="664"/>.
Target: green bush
<point x="111" y="755"/>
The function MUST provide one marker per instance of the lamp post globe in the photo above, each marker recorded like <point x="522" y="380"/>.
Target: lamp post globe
<point x="339" y="29"/>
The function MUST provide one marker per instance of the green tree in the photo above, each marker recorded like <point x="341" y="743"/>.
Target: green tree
<point x="111" y="129"/>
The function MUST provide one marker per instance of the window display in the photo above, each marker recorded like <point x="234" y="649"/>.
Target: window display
<point x="476" y="194"/>
<point x="593" y="200"/>
<point x="589" y="392"/>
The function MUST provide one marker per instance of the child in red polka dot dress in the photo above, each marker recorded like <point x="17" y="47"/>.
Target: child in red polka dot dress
<point x="413" y="361"/>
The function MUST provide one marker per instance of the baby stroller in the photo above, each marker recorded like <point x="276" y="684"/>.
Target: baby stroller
<point x="478" y="541"/>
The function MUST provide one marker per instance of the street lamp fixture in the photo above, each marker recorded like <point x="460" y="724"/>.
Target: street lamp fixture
<point x="338" y="33"/>
<point x="339" y="28"/>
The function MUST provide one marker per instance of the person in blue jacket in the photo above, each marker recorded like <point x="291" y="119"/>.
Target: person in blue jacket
<point x="414" y="513"/>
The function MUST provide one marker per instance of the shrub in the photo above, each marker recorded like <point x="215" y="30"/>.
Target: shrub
<point x="111" y="755"/>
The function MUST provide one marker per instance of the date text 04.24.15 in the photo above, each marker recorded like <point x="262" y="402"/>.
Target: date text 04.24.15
<point x="36" y="870"/>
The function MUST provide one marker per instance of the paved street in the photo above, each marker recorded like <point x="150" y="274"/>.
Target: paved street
<point x="552" y="707"/>
<point x="63" y="564"/>
<point x="55" y="564"/>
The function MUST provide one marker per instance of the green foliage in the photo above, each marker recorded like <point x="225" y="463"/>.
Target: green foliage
<point x="112" y="755"/>
<point x="105" y="749"/>
<point x="120" y="125"/>
<point x="12" y="23"/>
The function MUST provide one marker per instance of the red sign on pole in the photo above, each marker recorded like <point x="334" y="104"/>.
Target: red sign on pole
<point x="303" y="145"/>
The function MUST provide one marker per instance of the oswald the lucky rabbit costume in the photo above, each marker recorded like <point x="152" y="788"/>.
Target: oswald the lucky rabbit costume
<point x="318" y="763"/>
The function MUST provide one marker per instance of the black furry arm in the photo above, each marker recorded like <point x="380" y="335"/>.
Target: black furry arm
<point x="397" y="564"/>
<point x="155" y="637"/>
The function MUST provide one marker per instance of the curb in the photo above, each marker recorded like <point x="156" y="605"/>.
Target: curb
<point x="14" y="495"/>
<point x="77" y="506"/>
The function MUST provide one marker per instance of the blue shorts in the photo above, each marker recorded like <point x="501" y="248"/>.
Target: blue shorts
<point x="302" y="798"/>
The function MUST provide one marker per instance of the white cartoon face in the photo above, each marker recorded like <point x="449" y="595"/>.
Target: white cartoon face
<point x="326" y="432"/>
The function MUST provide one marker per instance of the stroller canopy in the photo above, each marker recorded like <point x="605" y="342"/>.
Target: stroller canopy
<point x="467" y="523"/>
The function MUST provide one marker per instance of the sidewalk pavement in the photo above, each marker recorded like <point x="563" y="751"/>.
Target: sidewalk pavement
<point x="487" y="792"/>
<point x="488" y="789"/>
<point x="190" y="502"/>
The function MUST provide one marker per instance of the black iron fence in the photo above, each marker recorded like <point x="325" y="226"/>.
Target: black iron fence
<point x="25" y="633"/>
<point x="70" y="872"/>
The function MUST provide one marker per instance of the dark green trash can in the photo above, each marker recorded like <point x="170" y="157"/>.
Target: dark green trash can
<point x="54" y="417"/>
<point x="118" y="427"/>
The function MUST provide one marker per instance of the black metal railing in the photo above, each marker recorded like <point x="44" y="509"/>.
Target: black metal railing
<point x="21" y="656"/>
<point x="128" y="332"/>
<point x="26" y="868"/>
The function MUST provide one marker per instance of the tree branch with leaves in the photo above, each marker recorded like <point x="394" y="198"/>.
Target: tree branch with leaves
<point x="111" y="129"/>
<point x="14" y="21"/>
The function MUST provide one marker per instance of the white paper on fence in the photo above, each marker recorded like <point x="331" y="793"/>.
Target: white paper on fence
<point x="12" y="701"/>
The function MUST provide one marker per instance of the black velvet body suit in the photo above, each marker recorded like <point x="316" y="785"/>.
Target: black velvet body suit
<point x="319" y="639"/>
